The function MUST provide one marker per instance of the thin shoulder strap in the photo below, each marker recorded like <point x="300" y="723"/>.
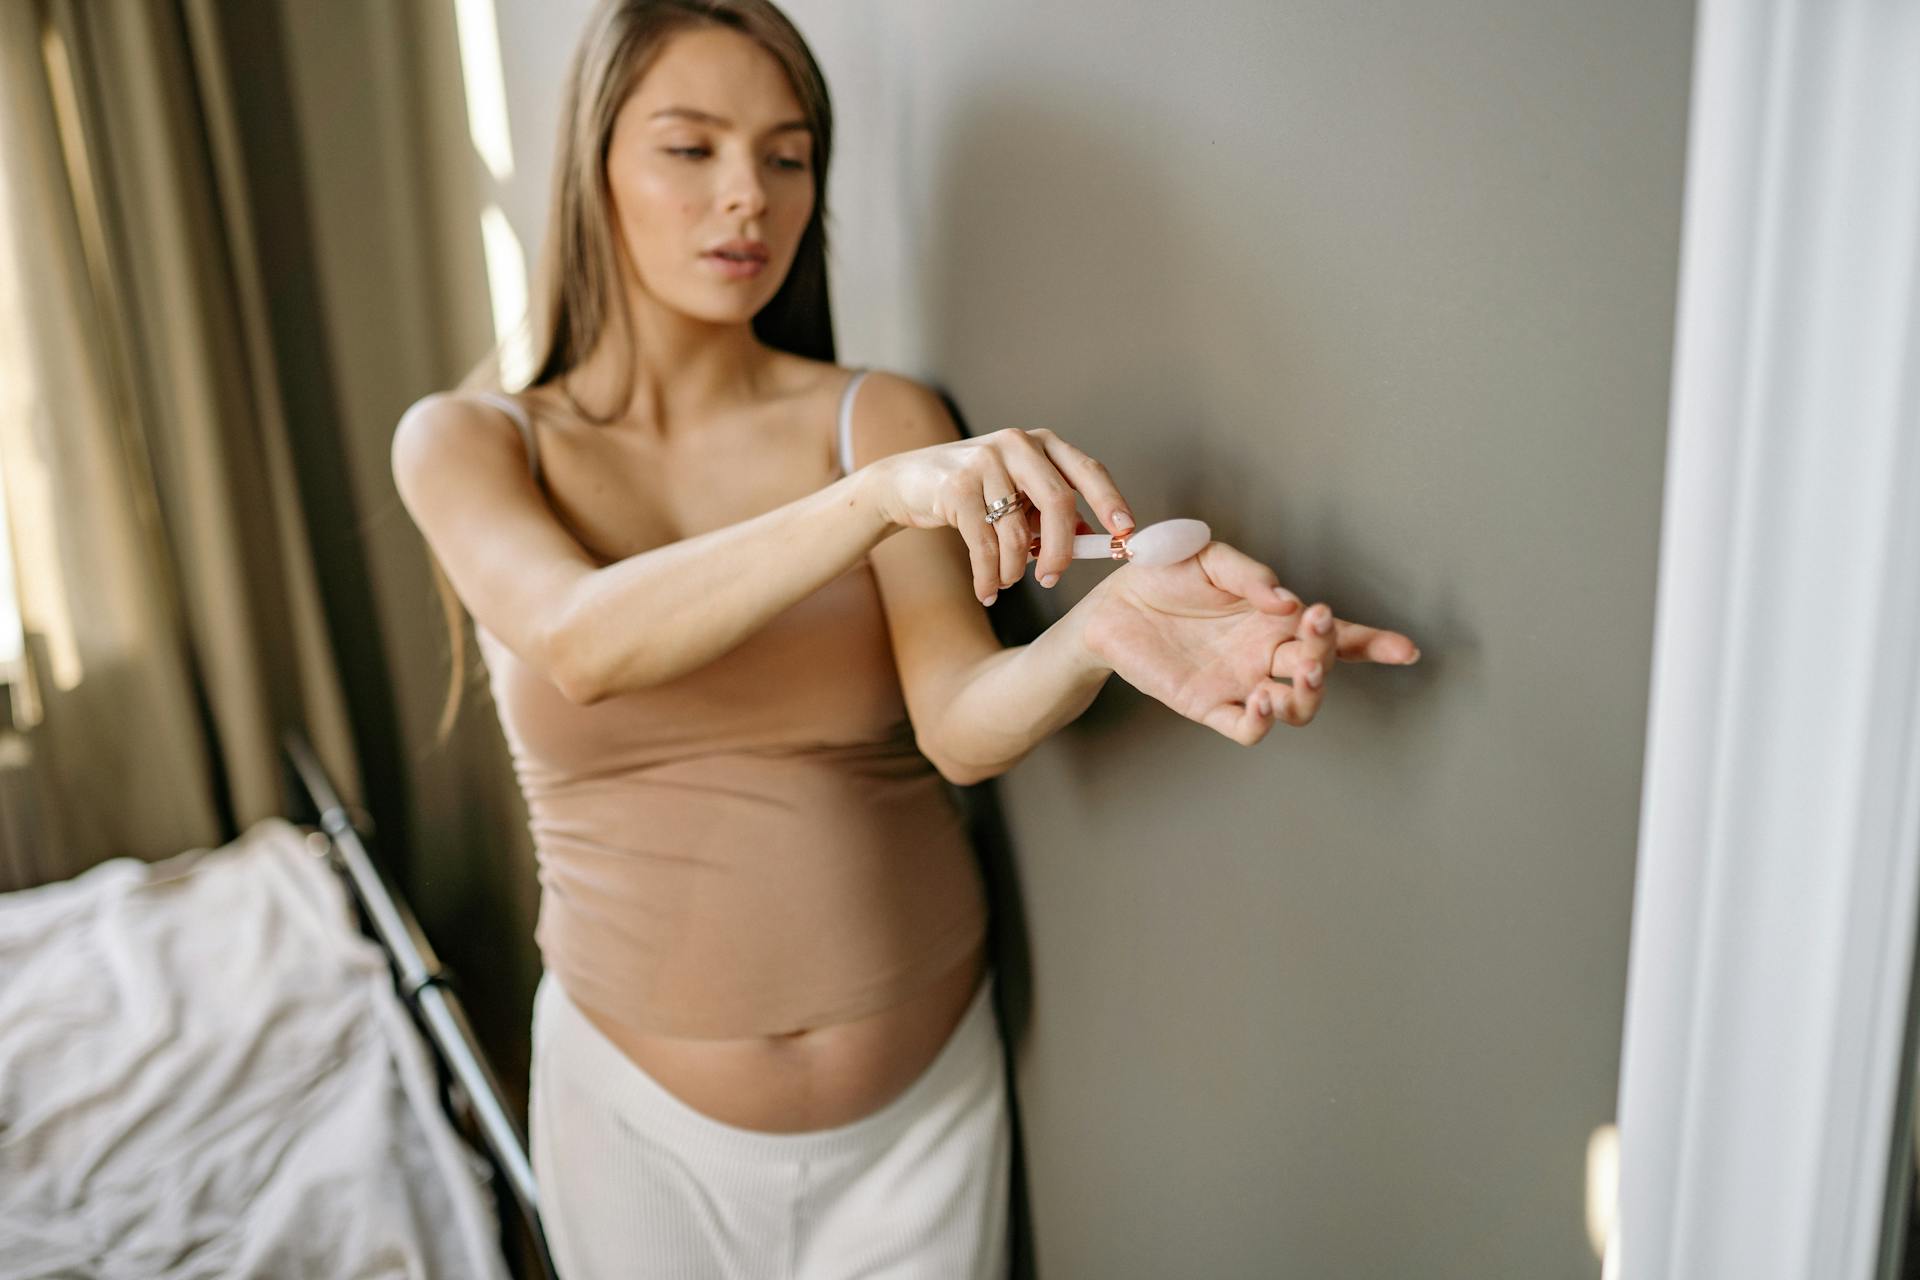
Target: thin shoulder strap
<point x="846" y="422"/>
<point x="511" y="407"/>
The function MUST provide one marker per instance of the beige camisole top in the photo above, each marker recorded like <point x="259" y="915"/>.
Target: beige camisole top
<point x="752" y="848"/>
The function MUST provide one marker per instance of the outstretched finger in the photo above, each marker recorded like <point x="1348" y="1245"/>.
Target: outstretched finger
<point x="1355" y="643"/>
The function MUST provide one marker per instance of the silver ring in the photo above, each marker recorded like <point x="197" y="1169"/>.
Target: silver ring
<point x="1005" y="506"/>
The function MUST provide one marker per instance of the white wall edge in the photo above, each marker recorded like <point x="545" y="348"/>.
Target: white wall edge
<point x="1779" y="850"/>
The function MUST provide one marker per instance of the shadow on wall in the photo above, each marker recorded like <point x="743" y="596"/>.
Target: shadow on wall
<point x="1063" y="288"/>
<point x="1072" y="285"/>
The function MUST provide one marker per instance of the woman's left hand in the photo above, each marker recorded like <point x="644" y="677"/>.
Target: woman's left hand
<point x="1212" y="636"/>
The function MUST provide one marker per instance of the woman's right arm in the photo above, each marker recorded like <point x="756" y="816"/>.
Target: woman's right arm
<point x="593" y="630"/>
<point x="596" y="631"/>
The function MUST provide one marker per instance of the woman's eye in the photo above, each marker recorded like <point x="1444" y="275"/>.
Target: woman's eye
<point x="694" y="153"/>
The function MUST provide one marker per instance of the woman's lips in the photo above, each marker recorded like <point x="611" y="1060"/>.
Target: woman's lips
<point x="734" y="268"/>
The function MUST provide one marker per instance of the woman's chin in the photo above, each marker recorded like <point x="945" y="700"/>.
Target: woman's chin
<point x="734" y="306"/>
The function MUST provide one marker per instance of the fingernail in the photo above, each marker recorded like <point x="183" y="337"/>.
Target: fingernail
<point x="1314" y="677"/>
<point x="990" y="599"/>
<point x="1048" y="579"/>
<point x="1415" y="658"/>
<point x="1123" y="519"/>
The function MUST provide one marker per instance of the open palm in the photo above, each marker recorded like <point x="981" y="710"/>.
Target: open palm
<point x="1214" y="635"/>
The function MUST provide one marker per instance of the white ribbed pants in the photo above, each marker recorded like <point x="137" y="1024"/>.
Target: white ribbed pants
<point x="636" y="1183"/>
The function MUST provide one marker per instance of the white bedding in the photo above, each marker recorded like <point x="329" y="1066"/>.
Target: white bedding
<point x="204" y="1071"/>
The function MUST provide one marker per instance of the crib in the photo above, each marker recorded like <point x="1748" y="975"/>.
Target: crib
<point x="248" y="1061"/>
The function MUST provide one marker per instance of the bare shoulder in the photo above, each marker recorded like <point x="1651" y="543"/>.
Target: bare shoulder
<point x="894" y="413"/>
<point x="465" y="478"/>
<point x="445" y="424"/>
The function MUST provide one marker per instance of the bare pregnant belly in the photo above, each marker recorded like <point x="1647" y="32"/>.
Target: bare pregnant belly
<point x="819" y="1078"/>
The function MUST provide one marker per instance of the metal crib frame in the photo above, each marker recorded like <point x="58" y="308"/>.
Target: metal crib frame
<point x="468" y="1082"/>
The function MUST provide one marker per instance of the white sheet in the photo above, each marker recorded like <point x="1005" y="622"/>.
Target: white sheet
<point x="204" y="1071"/>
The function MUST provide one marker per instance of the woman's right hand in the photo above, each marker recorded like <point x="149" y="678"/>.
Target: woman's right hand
<point x="952" y="484"/>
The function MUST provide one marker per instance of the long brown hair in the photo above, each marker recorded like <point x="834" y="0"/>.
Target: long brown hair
<point x="577" y="299"/>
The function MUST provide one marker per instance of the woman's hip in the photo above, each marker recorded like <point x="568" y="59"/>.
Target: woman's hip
<point x="628" y="1170"/>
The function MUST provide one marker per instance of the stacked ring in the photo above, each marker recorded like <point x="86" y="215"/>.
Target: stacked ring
<point x="1007" y="505"/>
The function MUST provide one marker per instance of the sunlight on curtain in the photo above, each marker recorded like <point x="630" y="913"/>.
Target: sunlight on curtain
<point x="507" y="285"/>
<point x="10" y="646"/>
<point x="486" y="92"/>
<point x="33" y="593"/>
<point x="486" y="85"/>
<point x="117" y="763"/>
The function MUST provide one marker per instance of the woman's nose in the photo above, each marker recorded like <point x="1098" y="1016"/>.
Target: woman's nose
<point x="743" y="195"/>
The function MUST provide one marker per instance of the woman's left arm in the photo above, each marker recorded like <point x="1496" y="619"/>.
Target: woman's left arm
<point x="1006" y="703"/>
<point x="977" y="707"/>
<point x="1211" y="637"/>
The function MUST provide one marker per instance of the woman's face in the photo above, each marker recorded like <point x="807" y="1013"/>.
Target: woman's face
<point x="711" y="148"/>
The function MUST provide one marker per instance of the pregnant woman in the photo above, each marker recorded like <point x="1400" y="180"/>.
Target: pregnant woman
<point x="731" y="599"/>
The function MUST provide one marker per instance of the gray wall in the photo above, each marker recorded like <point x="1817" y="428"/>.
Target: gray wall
<point x="1385" y="294"/>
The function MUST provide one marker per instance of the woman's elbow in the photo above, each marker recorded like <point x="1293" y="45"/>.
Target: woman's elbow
<point x="576" y="691"/>
<point x="585" y="673"/>
<point x="964" y="777"/>
<point x="960" y="775"/>
<point x="574" y="687"/>
<point x="569" y="669"/>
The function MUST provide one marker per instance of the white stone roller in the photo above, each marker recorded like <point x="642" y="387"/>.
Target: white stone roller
<point x="1167" y="542"/>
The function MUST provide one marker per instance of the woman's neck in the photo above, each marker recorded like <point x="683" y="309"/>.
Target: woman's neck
<point x="684" y="371"/>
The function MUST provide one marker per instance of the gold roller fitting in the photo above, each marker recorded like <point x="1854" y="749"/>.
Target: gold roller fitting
<point x="1116" y="547"/>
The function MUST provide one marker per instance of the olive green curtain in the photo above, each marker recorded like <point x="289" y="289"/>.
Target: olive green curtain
<point x="165" y="582"/>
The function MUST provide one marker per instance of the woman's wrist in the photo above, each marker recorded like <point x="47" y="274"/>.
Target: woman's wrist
<point x="869" y="488"/>
<point x="1017" y="697"/>
<point x="1082" y="630"/>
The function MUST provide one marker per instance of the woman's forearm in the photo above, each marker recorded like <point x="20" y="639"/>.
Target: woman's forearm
<point x="651" y="617"/>
<point x="1012" y="700"/>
